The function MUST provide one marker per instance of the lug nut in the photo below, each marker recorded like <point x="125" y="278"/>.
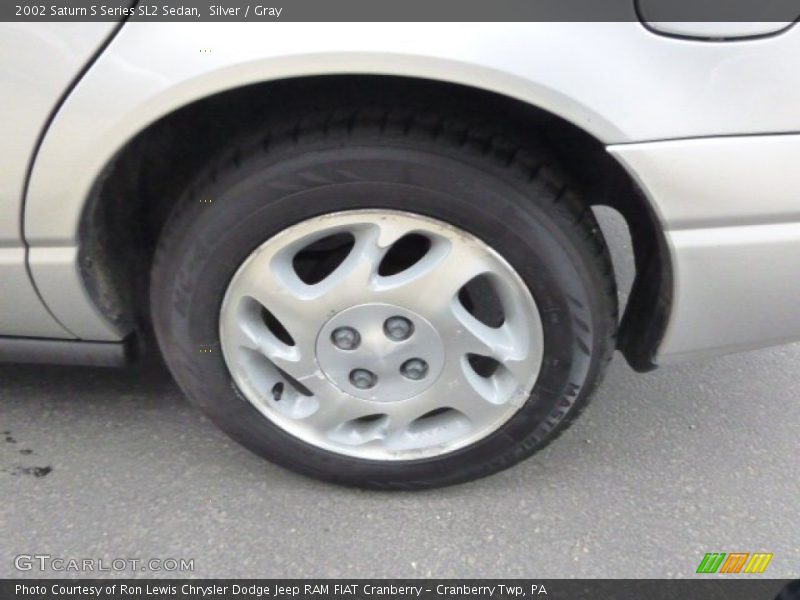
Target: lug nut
<point x="363" y="379"/>
<point x="398" y="329"/>
<point x="414" y="369"/>
<point x="345" y="338"/>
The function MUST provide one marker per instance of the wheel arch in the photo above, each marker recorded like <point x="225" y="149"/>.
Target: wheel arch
<point x="139" y="183"/>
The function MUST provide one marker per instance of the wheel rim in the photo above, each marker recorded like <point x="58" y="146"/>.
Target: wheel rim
<point x="381" y="335"/>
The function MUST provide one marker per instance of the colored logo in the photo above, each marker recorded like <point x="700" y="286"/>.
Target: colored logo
<point x="735" y="562"/>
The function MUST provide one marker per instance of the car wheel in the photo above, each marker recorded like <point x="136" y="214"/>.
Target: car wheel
<point x="385" y="301"/>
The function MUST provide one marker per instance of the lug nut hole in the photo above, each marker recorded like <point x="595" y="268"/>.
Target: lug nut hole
<point x="398" y="329"/>
<point x="414" y="369"/>
<point x="363" y="379"/>
<point x="345" y="338"/>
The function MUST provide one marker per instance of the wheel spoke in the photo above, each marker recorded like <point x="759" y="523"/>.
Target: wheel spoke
<point x="237" y="335"/>
<point x="430" y="284"/>
<point x="282" y="296"/>
<point x="401" y="415"/>
<point x="474" y="403"/>
<point x="461" y="394"/>
<point x="303" y="368"/>
<point x="482" y="399"/>
<point x="336" y="409"/>
<point x="471" y="336"/>
<point x="245" y="329"/>
<point x="519" y="369"/>
<point x="352" y="281"/>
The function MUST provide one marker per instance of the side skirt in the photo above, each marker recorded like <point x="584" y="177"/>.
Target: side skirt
<point x="67" y="352"/>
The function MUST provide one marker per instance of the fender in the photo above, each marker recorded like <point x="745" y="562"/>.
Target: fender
<point x="45" y="60"/>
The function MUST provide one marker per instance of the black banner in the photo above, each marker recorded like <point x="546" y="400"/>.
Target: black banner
<point x="780" y="11"/>
<point x="401" y="589"/>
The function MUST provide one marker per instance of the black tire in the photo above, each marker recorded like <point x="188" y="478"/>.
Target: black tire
<point x="471" y="175"/>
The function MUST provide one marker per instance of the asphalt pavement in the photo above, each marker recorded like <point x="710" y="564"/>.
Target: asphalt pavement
<point x="660" y="469"/>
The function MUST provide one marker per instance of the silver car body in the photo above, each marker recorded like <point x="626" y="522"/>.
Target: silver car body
<point x="706" y="129"/>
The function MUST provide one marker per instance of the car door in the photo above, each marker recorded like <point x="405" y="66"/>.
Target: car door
<point x="38" y="63"/>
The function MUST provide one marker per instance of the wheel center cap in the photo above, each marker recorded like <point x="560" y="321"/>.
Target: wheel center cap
<point x="380" y="352"/>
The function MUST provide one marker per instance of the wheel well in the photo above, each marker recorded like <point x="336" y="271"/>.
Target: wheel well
<point x="133" y="196"/>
